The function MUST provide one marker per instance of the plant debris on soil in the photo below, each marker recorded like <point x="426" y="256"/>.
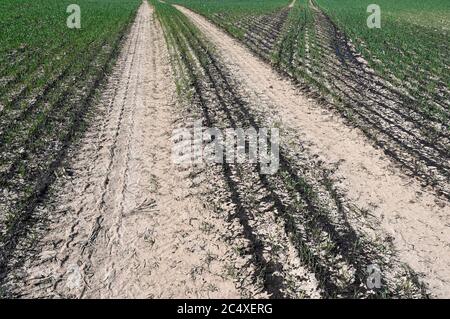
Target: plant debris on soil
<point x="93" y="205"/>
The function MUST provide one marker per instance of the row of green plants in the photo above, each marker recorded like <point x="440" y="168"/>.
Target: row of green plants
<point x="403" y="106"/>
<point x="316" y="224"/>
<point x="408" y="50"/>
<point x="51" y="83"/>
<point x="228" y="14"/>
<point x="412" y="45"/>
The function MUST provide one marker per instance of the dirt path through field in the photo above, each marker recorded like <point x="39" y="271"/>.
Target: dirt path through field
<point x="125" y="223"/>
<point x="417" y="221"/>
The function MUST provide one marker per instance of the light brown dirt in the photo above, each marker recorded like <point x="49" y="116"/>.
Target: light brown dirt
<point x="126" y="223"/>
<point x="417" y="221"/>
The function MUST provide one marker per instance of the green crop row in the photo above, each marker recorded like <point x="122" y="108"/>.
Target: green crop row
<point x="400" y="99"/>
<point x="36" y="42"/>
<point x="412" y="45"/>
<point x="309" y="223"/>
<point x="233" y="7"/>
<point x="228" y="14"/>
<point x="410" y="49"/>
<point x="50" y="76"/>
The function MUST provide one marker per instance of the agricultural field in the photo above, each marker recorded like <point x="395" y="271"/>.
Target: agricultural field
<point x="257" y="23"/>
<point x="392" y="82"/>
<point x="49" y="79"/>
<point x="309" y="207"/>
<point x="95" y="202"/>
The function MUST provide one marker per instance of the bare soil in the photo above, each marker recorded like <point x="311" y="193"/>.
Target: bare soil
<point x="122" y="221"/>
<point x="415" y="218"/>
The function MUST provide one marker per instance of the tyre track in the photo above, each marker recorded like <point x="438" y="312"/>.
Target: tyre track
<point x="285" y="246"/>
<point x="368" y="178"/>
<point x="125" y="223"/>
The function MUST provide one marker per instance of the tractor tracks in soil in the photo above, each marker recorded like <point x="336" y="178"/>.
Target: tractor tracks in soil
<point x="123" y="221"/>
<point x="415" y="219"/>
